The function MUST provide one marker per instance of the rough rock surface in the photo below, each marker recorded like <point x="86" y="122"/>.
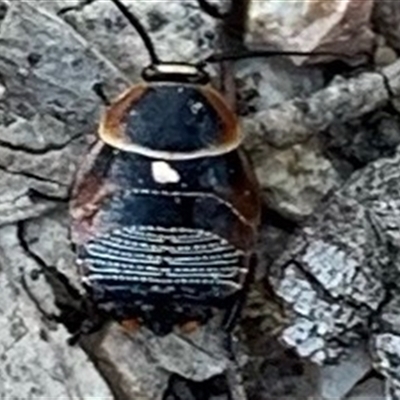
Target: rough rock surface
<point x="190" y="38"/>
<point x="335" y="280"/>
<point x="35" y="360"/>
<point x="338" y="273"/>
<point x="372" y="389"/>
<point x="386" y="16"/>
<point x="312" y="25"/>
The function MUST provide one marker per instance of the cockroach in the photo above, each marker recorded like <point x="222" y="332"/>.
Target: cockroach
<point x="165" y="206"/>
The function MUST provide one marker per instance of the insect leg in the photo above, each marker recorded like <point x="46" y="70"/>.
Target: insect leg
<point x="233" y="313"/>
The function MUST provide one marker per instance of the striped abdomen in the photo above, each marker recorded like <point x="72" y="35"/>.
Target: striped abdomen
<point x="163" y="260"/>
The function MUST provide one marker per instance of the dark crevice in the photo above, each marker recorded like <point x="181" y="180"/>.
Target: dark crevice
<point x="314" y="282"/>
<point x="32" y="176"/>
<point x="392" y="95"/>
<point x="36" y="195"/>
<point x="98" y="89"/>
<point x="369" y="375"/>
<point x="212" y="10"/>
<point x="388" y="297"/>
<point x="386" y="84"/>
<point x="56" y="279"/>
<point x="46" y="150"/>
<point x="78" y="7"/>
<point x="319" y="288"/>
<point x="35" y="301"/>
<point x="3" y="11"/>
<point x="180" y="388"/>
<point x="273" y="218"/>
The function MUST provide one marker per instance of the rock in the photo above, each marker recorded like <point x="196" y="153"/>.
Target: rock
<point x="281" y="134"/>
<point x="43" y="120"/>
<point x="384" y="56"/>
<point x="276" y="373"/>
<point x="360" y="142"/>
<point x="386" y="347"/>
<point x="35" y="360"/>
<point x="385" y="16"/>
<point x="371" y="389"/>
<point x="179" y="30"/>
<point x="312" y="26"/>
<point x="392" y="391"/>
<point x="295" y="121"/>
<point x="335" y="277"/>
<point x="336" y="381"/>
<point x="386" y="344"/>
<point x="331" y="274"/>
<point x="129" y="366"/>
<point x="58" y="6"/>
<point x="296" y="179"/>
<point x="263" y="83"/>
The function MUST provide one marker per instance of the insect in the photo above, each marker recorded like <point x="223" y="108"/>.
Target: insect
<point x="165" y="206"/>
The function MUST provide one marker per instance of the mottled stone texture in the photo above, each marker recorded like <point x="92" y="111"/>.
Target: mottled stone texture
<point x="386" y="15"/>
<point x="312" y="25"/>
<point x="333" y="295"/>
<point x="338" y="277"/>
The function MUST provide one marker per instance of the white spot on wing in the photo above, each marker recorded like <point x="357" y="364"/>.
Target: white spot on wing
<point x="196" y="107"/>
<point x="163" y="173"/>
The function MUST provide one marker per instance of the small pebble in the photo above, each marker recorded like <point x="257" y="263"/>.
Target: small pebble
<point x="384" y="56"/>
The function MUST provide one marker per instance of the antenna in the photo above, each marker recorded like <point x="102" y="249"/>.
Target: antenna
<point x="140" y="30"/>
<point x="216" y="58"/>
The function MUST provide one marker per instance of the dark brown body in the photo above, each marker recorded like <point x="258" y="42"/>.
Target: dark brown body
<point x="165" y="208"/>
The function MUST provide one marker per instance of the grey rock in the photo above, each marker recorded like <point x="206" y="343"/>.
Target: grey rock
<point x="57" y="6"/>
<point x="386" y="15"/>
<point x="296" y="120"/>
<point x="35" y="360"/>
<point x="385" y="345"/>
<point x="278" y="131"/>
<point x="332" y="275"/>
<point x="273" y="372"/>
<point x="191" y="36"/>
<point x="336" y="381"/>
<point x="371" y="389"/>
<point x="360" y="142"/>
<point x="336" y="275"/>
<point x="129" y="365"/>
<point x="384" y="56"/>
<point x="312" y="26"/>
<point x="294" y="180"/>
<point x="263" y="83"/>
<point x="44" y="120"/>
